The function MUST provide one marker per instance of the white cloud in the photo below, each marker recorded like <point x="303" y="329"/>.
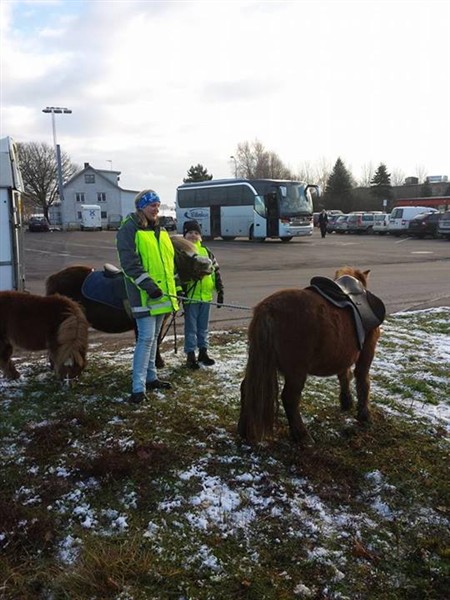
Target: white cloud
<point x="158" y="86"/>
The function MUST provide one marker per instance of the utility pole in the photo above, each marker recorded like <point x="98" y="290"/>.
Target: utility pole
<point x="57" y="110"/>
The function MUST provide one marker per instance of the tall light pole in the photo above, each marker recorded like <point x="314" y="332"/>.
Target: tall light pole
<point x="57" y="110"/>
<point x="235" y="166"/>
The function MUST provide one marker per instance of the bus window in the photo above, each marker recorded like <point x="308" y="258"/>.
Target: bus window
<point x="260" y="206"/>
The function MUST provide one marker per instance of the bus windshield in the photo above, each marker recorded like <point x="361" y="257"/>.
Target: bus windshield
<point x="294" y="200"/>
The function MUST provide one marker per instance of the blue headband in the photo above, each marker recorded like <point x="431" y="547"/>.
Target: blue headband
<point x="146" y="199"/>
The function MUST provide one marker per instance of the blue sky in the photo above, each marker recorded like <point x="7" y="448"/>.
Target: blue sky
<point x="158" y="86"/>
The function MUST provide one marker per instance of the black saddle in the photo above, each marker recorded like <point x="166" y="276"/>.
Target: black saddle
<point x="106" y="287"/>
<point x="348" y="292"/>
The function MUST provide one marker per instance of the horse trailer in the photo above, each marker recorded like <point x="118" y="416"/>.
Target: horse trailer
<point x="12" y="269"/>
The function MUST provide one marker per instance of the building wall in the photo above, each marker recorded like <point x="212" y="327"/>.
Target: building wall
<point x="94" y="186"/>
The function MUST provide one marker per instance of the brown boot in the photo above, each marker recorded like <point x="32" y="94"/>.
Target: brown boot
<point x="204" y="358"/>
<point x="191" y="361"/>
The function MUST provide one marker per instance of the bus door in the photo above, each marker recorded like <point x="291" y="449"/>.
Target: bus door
<point x="215" y="224"/>
<point x="273" y="214"/>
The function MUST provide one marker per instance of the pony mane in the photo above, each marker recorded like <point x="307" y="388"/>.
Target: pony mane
<point x="362" y="276"/>
<point x="182" y="244"/>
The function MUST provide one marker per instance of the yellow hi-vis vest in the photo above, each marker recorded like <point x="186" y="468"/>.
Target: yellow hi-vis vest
<point x="158" y="260"/>
<point x="201" y="290"/>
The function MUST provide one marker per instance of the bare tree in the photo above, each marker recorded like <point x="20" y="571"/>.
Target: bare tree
<point x="421" y="173"/>
<point x="253" y="161"/>
<point x="398" y="177"/>
<point x="39" y="173"/>
<point x="367" y="173"/>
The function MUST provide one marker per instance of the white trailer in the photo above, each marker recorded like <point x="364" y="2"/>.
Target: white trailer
<point x="91" y="217"/>
<point x="12" y="269"/>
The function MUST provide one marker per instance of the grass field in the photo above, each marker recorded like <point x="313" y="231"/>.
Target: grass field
<point x="100" y="499"/>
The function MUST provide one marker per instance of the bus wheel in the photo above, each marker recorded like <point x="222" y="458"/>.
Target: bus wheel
<point x="252" y="238"/>
<point x="287" y="238"/>
<point x="228" y="238"/>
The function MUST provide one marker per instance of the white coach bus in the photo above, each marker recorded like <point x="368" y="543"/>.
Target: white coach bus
<point x="253" y="208"/>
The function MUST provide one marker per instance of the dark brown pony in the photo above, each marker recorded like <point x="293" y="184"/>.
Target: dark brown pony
<point x="297" y="332"/>
<point x="55" y="323"/>
<point x="110" y="319"/>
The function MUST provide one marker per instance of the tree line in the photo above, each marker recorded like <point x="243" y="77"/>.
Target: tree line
<point x="250" y="161"/>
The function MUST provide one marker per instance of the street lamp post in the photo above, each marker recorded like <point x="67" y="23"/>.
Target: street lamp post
<point x="235" y="166"/>
<point x="57" y="110"/>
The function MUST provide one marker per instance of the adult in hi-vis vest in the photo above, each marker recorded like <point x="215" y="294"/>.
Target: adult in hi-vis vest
<point x="146" y="256"/>
<point x="197" y="306"/>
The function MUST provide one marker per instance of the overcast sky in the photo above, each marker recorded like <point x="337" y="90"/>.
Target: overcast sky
<point x="156" y="87"/>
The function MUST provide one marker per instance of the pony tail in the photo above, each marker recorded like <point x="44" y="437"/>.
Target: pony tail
<point x="259" y="389"/>
<point x="72" y="342"/>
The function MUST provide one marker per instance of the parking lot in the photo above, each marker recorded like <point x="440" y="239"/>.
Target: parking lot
<point x="406" y="273"/>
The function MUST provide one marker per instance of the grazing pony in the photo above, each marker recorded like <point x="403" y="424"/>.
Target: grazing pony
<point x="102" y="295"/>
<point x="34" y="322"/>
<point x="297" y="332"/>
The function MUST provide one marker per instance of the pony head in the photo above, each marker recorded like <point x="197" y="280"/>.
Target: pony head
<point x="362" y="276"/>
<point x="189" y="264"/>
<point x="69" y="355"/>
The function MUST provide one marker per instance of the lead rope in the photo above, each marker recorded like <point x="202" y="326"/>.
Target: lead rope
<point x="237" y="306"/>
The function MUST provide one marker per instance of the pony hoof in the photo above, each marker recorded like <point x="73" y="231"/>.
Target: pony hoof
<point x="364" y="418"/>
<point x="302" y="438"/>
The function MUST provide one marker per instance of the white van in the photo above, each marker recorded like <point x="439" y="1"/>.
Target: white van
<point x="402" y="215"/>
<point x="91" y="217"/>
<point x="381" y="223"/>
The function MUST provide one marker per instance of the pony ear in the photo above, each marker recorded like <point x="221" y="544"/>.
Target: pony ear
<point x="366" y="273"/>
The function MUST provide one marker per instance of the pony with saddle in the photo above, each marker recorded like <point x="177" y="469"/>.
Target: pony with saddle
<point x="322" y="330"/>
<point x="54" y="323"/>
<point x="102" y="294"/>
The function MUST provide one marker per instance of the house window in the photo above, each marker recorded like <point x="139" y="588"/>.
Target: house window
<point x="89" y="178"/>
<point x="104" y="214"/>
<point x="79" y="197"/>
<point x="79" y="215"/>
<point x="101" y="197"/>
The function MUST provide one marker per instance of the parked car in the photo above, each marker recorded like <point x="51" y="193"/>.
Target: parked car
<point x="332" y="221"/>
<point x="424" y="224"/>
<point x="168" y="223"/>
<point x="340" y="225"/>
<point x="381" y="223"/>
<point x="360" y="222"/>
<point x="38" y="223"/>
<point x="444" y="225"/>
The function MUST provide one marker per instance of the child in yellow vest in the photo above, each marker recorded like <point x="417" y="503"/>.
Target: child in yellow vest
<point x="197" y="308"/>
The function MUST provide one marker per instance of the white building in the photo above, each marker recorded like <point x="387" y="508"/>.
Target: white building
<point x="92" y="186"/>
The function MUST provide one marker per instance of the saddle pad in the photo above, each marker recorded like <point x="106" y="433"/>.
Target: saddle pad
<point x="367" y="309"/>
<point x="106" y="290"/>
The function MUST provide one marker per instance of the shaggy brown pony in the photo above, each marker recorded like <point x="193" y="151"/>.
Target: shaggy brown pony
<point x="54" y="323"/>
<point x="297" y="332"/>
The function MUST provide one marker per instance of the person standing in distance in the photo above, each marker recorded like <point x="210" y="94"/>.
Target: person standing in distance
<point x="323" y="222"/>
<point x="197" y="306"/>
<point x="146" y="256"/>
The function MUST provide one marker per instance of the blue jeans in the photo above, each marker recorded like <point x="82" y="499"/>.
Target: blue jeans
<point x="196" y="319"/>
<point x="145" y="351"/>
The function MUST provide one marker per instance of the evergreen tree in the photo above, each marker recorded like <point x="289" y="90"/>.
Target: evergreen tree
<point x="338" y="190"/>
<point x="380" y="184"/>
<point x="197" y="173"/>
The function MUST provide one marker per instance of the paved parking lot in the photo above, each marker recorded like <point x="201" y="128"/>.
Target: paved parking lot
<point x="406" y="273"/>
